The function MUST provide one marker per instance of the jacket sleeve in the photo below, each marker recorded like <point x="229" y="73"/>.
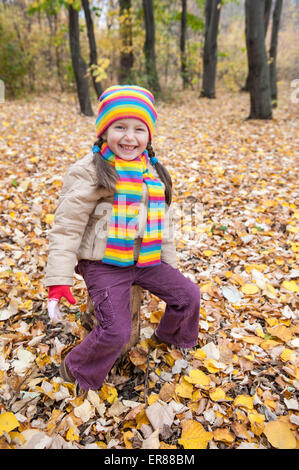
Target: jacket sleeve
<point x="168" y="249"/>
<point x="77" y="201"/>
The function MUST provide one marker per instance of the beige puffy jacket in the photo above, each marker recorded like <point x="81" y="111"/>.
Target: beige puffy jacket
<point x="82" y="222"/>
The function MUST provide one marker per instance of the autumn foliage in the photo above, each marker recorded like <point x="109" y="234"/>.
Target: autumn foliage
<point x="236" y="212"/>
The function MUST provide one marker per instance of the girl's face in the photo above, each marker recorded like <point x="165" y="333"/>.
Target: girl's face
<point x="127" y="138"/>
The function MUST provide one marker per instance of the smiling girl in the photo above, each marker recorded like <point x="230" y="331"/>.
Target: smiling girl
<point x="101" y="232"/>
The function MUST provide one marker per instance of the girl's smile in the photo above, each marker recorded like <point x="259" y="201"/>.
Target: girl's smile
<point x="127" y="138"/>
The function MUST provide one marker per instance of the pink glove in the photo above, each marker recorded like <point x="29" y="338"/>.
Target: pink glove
<point x="55" y="294"/>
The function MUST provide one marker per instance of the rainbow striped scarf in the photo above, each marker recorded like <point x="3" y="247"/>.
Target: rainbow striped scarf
<point x="124" y="217"/>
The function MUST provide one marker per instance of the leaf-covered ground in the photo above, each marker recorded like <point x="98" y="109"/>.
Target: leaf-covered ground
<point x="236" y="211"/>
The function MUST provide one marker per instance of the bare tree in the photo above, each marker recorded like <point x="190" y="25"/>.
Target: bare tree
<point x="212" y="16"/>
<point x="259" y="77"/>
<point x="79" y="65"/>
<point x="184" y="72"/>
<point x="273" y="51"/>
<point x="126" y="34"/>
<point x="93" y="56"/>
<point x="149" y="46"/>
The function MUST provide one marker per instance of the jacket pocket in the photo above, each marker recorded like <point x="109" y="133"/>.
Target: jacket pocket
<point x="103" y="308"/>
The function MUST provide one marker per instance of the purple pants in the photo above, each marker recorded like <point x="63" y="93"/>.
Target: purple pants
<point x="109" y="288"/>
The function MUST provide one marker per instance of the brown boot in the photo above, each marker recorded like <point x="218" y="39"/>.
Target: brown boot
<point x="154" y="339"/>
<point x="65" y="372"/>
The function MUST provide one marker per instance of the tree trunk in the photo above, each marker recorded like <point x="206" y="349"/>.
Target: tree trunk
<point x="58" y="57"/>
<point x="149" y="46"/>
<point x="268" y="5"/>
<point x="184" y="72"/>
<point x="273" y="51"/>
<point x="126" y="34"/>
<point x="88" y="319"/>
<point x="259" y="77"/>
<point x="93" y="56"/>
<point x="212" y="16"/>
<point x="79" y="66"/>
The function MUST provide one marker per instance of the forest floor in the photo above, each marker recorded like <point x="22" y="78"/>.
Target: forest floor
<point x="236" y="211"/>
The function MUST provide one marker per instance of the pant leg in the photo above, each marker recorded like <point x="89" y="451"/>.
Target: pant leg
<point x="180" y="321"/>
<point x="109" y="288"/>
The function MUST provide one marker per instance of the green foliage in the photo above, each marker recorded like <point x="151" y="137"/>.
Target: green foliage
<point x="14" y="61"/>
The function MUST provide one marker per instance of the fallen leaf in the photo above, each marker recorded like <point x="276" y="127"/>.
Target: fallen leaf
<point x="8" y="422"/>
<point x="291" y="286"/>
<point x="152" y="442"/>
<point x="223" y="435"/>
<point x="244" y="401"/>
<point x="184" y="389"/>
<point x="194" y="436"/>
<point x="250" y="289"/>
<point x="198" y="377"/>
<point x="279" y="435"/>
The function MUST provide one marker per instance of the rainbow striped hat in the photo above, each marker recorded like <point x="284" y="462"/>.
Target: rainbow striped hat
<point x="126" y="101"/>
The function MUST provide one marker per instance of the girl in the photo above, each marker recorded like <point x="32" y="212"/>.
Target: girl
<point x="113" y="225"/>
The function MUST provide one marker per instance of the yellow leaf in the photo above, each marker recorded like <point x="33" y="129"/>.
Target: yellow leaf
<point x="291" y="285"/>
<point x="281" y="332"/>
<point x="199" y="354"/>
<point x="258" y="267"/>
<point x="194" y="436"/>
<point x="219" y="395"/>
<point x="250" y="289"/>
<point x="206" y="287"/>
<point x="269" y="344"/>
<point x="169" y="360"/>
<point x="198" y="377"/>
<point x="128" y="436"/>
<point x="141" y="419"/>
<point x="211" y="366"/>
<point x="152" y="398"/>
<point x="244" y="400"/>
<point x="279" y="435"/>
<point x="209" y="253"/>
<point x="156" y="316"/>
<point x="272" y="321"/>
<point x="71" y="435"/>
<point x="49" y="219"/>
<point x="269" y="291"/>
<point x="223" y="435"/>
<point x="252" y="339"/>
<point x="108" y="393"/>
<point x="259" y="332"/>
<point x="8" y="422"/>
<point x="184" y="389"/>
<point x="196" y="395"/>
<point x="256" y="423"/>
<point x="287" y="354"/>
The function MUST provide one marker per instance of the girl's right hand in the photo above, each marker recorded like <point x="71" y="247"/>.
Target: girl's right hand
<point x="55" y="294"/>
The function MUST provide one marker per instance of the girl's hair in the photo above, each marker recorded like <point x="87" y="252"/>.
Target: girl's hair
<point x="108" y="176"/>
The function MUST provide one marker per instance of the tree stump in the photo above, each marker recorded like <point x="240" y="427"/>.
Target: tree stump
<point x="88" y="319"/>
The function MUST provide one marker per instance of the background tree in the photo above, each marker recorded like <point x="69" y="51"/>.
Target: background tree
<point x="212" y="16"/>
<point x="93" y="56"/>
<point x="273" y="51"/>
<point x="79" y="65"/>
<point x="259" y="77"/>
<point x="267" y="13"/>
<point x="149" y="46"/>
<point x="184" y="71"/>
<point x="126" y="36"/>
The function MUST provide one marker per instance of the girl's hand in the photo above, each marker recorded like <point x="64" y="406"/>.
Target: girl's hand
<point x="55" y="294"/>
